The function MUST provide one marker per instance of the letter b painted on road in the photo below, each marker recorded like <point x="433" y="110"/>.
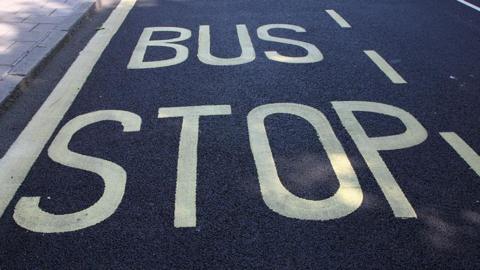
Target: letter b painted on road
<point x="137" y="60"/>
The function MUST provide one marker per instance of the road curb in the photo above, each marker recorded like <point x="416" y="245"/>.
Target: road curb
<point x="17" y="79"/>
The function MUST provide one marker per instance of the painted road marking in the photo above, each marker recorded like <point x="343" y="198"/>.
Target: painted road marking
<point x="28" y="213"/>
<point x="370" y="147"/>
<point x="463" y="149"/>
<point x="469" y="5"/>
<point x="385" y="67"/>
<point x="21" y="155"/>
<point x="313" y="53"/>
<point x="181" y="52"/>
<point x="346" y="199"/>
<point x="137" y="60"/>
<point x="246" y="46"/>
<point x="185" y="194"/>
<point x="339" y="19"/>
<point x="19" y="159"/>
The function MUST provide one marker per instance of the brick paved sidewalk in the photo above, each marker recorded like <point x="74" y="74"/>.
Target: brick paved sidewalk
<point x="29" y="31"/>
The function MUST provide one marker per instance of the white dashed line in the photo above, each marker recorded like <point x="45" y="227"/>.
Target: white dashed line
<point x="469" y="5"/>
<point x="463" y="149"/>
<point x="339" y="19"/>
<point x="385" y="67"/>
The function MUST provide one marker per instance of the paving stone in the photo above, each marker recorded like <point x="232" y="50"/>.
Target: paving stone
<point x="24" y="26"/>
<point x="15" y="52"/>
<point x="68" y="22"/>
<point x="57" y="1"/>
<point x="73" y="18"/>
<point x="44" y="27"/>
<point x="44" y="19"/>
<point x="42" y="12"/>
<point x="29" y="31"/>
<point x="5" y="44"/>
<point x="4" y="28"/>
<point x="37" y="54"/>
<point x="53" y="39"/>
<point x="12" y="18"/>
<point x="30" y="61"/>
<point x="8" y="84"/>
<point x="59" y="4"/>
<point x="63" y="12"/>
<point x="4" y="71"/>
<point x="28" y="36"/>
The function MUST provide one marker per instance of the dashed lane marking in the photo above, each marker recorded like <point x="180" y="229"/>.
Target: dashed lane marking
<point x="469" y="5"/>
<point x="463" y="149"/>
<point x="339" y="19"/>
<point x="385" y="67"/>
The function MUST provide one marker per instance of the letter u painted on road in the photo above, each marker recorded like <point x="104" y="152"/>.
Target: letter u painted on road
<point x="205" y="56"/>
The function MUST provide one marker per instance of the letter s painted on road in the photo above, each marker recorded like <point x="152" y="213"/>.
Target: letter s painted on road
<point x="30" y="216"/>
<point x="313" y="53"/>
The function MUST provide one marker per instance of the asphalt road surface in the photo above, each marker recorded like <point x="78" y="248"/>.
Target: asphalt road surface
<point x="251" y="135"/>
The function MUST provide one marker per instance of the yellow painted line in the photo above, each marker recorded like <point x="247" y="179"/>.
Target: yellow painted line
<point x="22" y="154"/>
<point x="385" y="67"/>
<point x="339" y="19"/>
<point x="277" y="197"/>
<point x="463" y="149"/>
<point x="186" y="190"/>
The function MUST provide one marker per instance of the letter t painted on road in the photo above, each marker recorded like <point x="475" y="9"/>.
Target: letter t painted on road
<point x="185" y="195"/>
